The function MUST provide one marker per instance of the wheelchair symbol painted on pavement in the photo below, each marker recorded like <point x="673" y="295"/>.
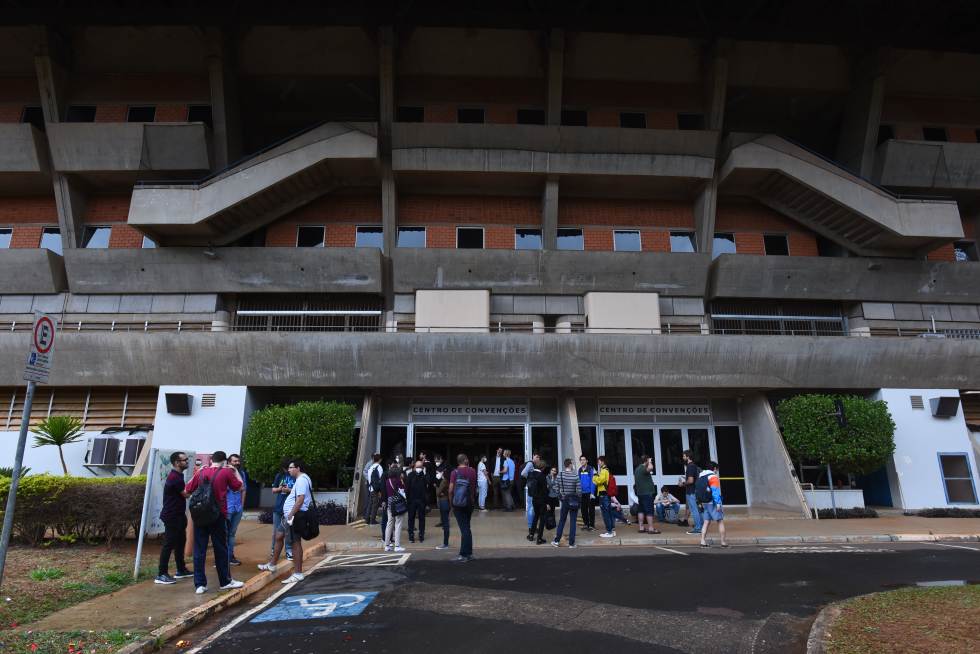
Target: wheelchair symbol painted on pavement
<point x="309" y="607"/>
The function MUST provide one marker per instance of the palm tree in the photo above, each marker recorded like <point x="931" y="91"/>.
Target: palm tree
<point x="9" y="472"/>
<point x="59" y="431"/>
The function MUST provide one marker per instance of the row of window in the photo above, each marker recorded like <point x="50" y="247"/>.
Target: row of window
<point x="196" y="113"/>
<point x="570" y="117"/>
<point x="939" y="134"/>
<point x="569" y="238"/>
<point x="95" y="237"/>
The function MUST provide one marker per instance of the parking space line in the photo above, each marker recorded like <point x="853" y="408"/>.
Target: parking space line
<point x="667" y="549"/>
<point x="959" y="547"/>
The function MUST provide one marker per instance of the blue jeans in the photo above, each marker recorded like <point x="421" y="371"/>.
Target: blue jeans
<point x="565" y="511"/>
<point x="233" y="520"/>
<point x="217" y="533"/>
<point x="692" y="509"/>
<point x="529" y="509"/>
<point x="662" y="511"/>
<point x="607" y="514"/>
<point x="279" y="524"/>
<point x="444" y="514"/>
<point x="465" y="534"/>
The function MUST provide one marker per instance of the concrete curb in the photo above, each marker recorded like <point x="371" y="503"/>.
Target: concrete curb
<point x="816" y="642"/>
<point x="188" y="619"/>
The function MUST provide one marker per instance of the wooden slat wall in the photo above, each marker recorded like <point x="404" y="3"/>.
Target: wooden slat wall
<point x="971" y="408"/>
<point x="98" y="408"/>
<point x="141" y="406"/>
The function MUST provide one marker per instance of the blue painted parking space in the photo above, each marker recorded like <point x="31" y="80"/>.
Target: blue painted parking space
<point x="312" y="607"/>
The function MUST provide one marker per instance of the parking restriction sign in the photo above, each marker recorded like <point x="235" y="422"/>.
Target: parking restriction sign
<point x="42" y="348"/>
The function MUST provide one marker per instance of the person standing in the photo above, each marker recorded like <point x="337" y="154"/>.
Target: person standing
<point x="709" y="494"/>
<point x="528" y="502"/>
<point x="282" y="485"/>
<point x="440" y="470"/>
<point x="482" y="482"/>
<point x="374" y="479"/>
<point x="497" y="462"/>
<point x="554" y="497"/>
<point x="221" y="478"/>
<point x="296" y="513"/>
<point x="570" y="492"/>
<point x="462" y="493"/>
<point x="601" y="481"/>
<point x="691" y="474"/>
<point x="537" y="493"/>
<point x="417" y="493"/>
<point x="507" y="471"/>
<point x="442" y="499"/>
<point x="174" y="518"/>
<point x="645" y="490"/>
<point x="587" y="504"/>
<point x="236" y="507"/>
<point x="393" y="529"/>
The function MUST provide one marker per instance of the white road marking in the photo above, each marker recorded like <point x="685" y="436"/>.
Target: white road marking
<point x="667" y="549"/>
<point x="815" y="549"/>
<point x="337" y="560"/>
<point x="959" y="547"/>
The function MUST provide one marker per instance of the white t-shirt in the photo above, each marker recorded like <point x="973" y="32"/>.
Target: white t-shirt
<point x="481" y="474"/>
<point x="496" y="468"/>
<point x="304" y="487"/>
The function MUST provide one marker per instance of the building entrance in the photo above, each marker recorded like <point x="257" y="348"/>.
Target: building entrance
<point x="470" y="440"/>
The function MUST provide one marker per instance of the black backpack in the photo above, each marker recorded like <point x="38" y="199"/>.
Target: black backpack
<point x="702" y="491"/>
<point x="203" y="504"/>
<point x="376" y="482"/>
<point x="537" y="485"/>
<point x="461" y="492"/>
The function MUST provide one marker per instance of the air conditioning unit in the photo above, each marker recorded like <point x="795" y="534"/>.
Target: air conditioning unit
<point x="131" y="449"/>
<point x="102" y="451"/>
<point x="945" y="406"/>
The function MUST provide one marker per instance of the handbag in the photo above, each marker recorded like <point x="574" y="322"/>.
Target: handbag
<point x="572" y="501"/>
<point x="310" y="527"/>
<point x="397" y="502"/>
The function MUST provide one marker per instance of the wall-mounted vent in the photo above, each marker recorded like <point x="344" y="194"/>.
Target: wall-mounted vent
<point x="208" y="399"/>
<point x="917" y="402"/>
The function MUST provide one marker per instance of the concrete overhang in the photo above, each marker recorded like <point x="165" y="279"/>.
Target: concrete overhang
<point x="844" y="279"/>
<point x="525" y="361"/>
<point x="226" y="206"/>
<point x="225" y="270"/>
<point x="553" y="150"/>
<point x="82" y="148"/>
<point x="24" y="161"/>
<point x="31" y="271"/>
<point x="549" y="271"/>
<point x="849" y="210"/>
<point x="928" y="165"/>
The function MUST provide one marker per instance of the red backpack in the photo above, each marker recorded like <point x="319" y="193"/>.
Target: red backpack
<point x="611" y="489"/>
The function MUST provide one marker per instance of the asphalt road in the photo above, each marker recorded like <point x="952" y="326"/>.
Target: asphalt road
<point x="678" y="599"/>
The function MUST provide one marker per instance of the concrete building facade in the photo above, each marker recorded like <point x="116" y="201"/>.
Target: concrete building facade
<point x="560" y="232"/>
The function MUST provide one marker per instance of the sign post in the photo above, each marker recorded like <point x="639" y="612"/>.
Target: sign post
<point x="38" y="367"/>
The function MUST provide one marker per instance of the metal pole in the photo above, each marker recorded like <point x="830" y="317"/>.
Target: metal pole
<point x="150" y="473"/>
<point x="830" y="480"/>
<point x="8" y="516"/>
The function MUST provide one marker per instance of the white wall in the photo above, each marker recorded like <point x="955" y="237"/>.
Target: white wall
<point x="919" y="438"/>
<point x="207" y="429"/>
<point x="452" y="311"/>
<point x="45" y="459"/>
<point x="629" y="313"/>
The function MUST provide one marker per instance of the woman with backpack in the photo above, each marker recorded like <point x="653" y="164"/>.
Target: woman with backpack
<point x="601" y="481"/>
<point x="462" y="494"/>
<point x="570" y="492"/>
<point x="396" y="506"/>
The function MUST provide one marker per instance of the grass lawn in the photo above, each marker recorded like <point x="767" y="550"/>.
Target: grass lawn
<point x="38" y="582"/>
<point x="942" y="619"/>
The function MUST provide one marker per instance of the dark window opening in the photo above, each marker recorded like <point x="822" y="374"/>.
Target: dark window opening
<point x="776" y="244"/>
<point x="469" y="238"/>
<point x="34" y="116"/>
<point x="632" y="119"/>
<point x="934" y="134"/>
<point x="141" y="114"/>
<point x="958" y="479"/>
<point x="527" y="239"/>
<point x="200" y="113"/>
<point x="96" y="237"/>
<point x="6" y="234"/>
<point x="763" y="317"/>
<point x="406" y="114"/>
<point x="626" y="240"/>
<point x="575" y="117"/>
<point x="570" y="239"/>
<point x="51" y="239"/>
<point x="885" y="133"/>
<point x="148" y="243"/>
<point x="411" y="237"/>
<point x="369" y="236"/>
<point x="965" y="251"/>
<point x="530" y="116"/>
<point x="690" y="121"/>
<point x="469" y="115"/>
<point x="683" y="242"/>
<point x="310" y="236"/>
<point x="80" y="114"/>
<point x="722" y="243"/>
<point x="313" y="312"/>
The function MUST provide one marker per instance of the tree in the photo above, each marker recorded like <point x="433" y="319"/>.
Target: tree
<point x="8" y="472"/>
<point x="812" y="432"/>
<point x="319" y="433"/>
<point x="58" y="431"/>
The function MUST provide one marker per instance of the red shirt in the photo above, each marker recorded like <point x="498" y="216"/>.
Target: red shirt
<point x="221" y="480"/>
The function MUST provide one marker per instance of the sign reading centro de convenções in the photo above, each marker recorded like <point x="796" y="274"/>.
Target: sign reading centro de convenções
<point x="699" y="410"/>
<point x="515" y="410"/>
<point x="41" y="355"/>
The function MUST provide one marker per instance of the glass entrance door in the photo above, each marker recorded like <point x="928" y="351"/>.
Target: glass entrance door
<point x="623" y="448"/>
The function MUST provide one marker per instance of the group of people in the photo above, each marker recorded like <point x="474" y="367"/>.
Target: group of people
<point x="400" y="490"/>
<point x="216" y="495"/>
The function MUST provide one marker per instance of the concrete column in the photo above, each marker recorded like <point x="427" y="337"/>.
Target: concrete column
<point x="225" y="107"/>
<point x="705" y="209"/>
<point x="556" y="70"/>
<point x="386" y="116"/>
<point x="862" y="117"/>
<point x="549" y="214"/>
<point x="716" y="89"/>
<point x="571" y="443"/>
<point x="365" y="449"/>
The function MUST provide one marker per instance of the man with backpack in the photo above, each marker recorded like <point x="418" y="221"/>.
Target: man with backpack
<point x="691" y="474"/>
<point x="570" y="492"/>
<point x="708" y="492"/>
<point x="208" y="493"/>
<point x="374" y="478"/>
<point x="296" y="513"/>
<point x="462" y="496"/>
<point x="537" y="493"/>
<point x="605" y="484"/>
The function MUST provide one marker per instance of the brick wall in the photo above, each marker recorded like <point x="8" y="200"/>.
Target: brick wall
<point x="501" y="114"/>
<point x="578" y="212"/>
<point x="945" y="253"/>
<point x="139" y="88"/>
<point x="340" y="213"/>
<point x="750" y="221"/>
<point x="26" y="236"/>
<point x="27" y="216"/>
<point x="106" y="209"/>
<point x="171" y="113"/>
<point x="468" y="210"/>
<point x="11" y="113"/>
<point x="124" y="236"/>
<point x="111" y="113"/>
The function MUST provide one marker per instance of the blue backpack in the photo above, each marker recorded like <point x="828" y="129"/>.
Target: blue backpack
<point x="461" y="492"/>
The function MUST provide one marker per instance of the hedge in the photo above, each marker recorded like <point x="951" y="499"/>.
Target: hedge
<point x="945" y="512"/>
<point x="87" y="508"/>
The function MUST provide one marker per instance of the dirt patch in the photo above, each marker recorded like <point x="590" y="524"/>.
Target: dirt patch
<point x="928" y="620"/>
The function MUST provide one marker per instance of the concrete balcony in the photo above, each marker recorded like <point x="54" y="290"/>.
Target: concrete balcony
<point x="454" y="361"/>
<point x="30" y="271"/>
<point x="553" y="150"/>
<point x="844" y="279"/>
<point x="549" y="272"/>
<point x="23" y="160"/>
<point x="928" y="165"/>
<point x="91" y="150"/>
<point x="229" y="270"/>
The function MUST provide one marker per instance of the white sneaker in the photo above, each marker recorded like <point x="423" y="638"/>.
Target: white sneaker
<point x="266" y="566"/>
<point x="554" y="543"/>
<point x="293" y="578"/>
<point x="231" y="585"/>
<point x="388" y="548"/>
<point x="399" y="549"/>
<point x="608" y="534"/>
<point x="201" y="590"/>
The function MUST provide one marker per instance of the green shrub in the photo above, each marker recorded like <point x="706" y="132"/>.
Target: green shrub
<point x="44" y="574"/>
<point x="86" y="508"/>
<point x="811" y="431"/>
<point x="319" y="433"/>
